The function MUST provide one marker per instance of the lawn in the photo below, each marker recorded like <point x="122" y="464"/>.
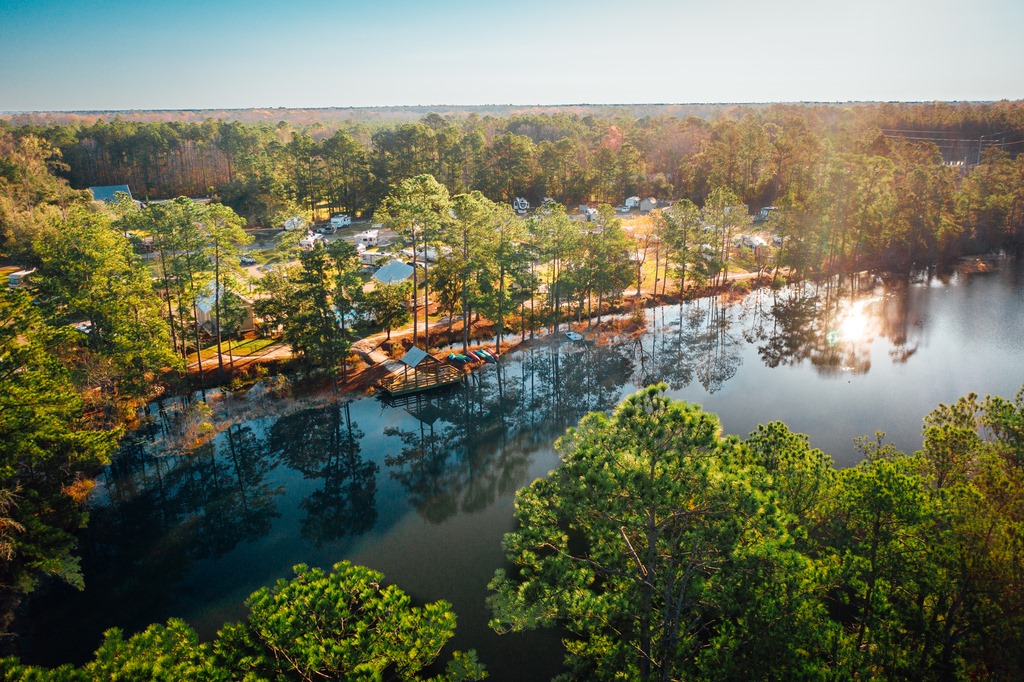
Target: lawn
<point x="241" y="349"/>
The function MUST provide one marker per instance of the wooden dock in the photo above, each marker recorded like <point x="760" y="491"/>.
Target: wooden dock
<point x="406" y="381"/>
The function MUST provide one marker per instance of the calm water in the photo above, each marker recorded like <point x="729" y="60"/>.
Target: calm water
<point x="423" y="491"/>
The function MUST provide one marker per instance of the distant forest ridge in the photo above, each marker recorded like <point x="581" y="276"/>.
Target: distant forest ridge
<point x="403" y="114"/>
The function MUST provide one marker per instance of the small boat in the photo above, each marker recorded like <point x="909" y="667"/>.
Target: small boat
<point x="474" y="356"/>
<point x="574" y="336"/>
<point x="459" y="359"/>
<point x="486" y="355"/>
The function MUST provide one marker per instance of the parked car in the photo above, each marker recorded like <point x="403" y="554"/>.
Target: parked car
<point x="247" y="260"/>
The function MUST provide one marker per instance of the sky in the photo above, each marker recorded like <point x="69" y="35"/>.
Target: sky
<point x="82" y="55"/>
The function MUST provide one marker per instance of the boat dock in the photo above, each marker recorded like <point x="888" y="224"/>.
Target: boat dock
<point x="406" y="381"/>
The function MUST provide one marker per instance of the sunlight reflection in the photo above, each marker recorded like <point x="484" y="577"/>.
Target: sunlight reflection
<point x="854" y="325"/>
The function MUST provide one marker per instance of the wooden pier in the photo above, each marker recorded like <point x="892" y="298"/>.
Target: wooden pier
<point x="405" y="381"/>
<point x="421" y="372"/>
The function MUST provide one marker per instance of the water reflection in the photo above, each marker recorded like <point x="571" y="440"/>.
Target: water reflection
<point x="831" y="325"/>
<point x="697" y="340"/>
<point x="457" y="455"/>
<point x="322" y="444"/>
<point x="186" y="531"/>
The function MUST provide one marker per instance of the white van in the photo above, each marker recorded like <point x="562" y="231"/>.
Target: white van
<point x="340" y="220"/>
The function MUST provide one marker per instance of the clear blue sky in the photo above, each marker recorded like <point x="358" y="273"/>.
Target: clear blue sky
<point x="115" y="54"/>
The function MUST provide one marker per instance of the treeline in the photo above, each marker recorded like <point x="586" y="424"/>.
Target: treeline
<point x="890" y="182"/>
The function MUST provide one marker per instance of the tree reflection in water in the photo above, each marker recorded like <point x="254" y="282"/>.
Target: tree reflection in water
<point x="476" y="442"/>
<point x="175" y="530"/>
<point x="697" y="342"/>
<point x="322" y="444"/>
<point x="155" y="516"/>
<point x="832" y="324"/>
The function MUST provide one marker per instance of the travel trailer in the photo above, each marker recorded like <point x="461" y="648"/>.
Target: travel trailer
<point x="16" y="279"/>
<point x="310" y="240"/>
<point x="366" y="238"/>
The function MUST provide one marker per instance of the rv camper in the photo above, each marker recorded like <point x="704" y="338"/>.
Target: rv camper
<point x="589" y="214"/>
<point x="367" y="238"/>
<point x="16" y="279"/>
<point x="370" y="257"/>
<point x="310" y="240"/>
<point x="294" y="223"/>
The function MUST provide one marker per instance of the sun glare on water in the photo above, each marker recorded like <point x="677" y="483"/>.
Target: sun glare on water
<point x="854" y="326"/>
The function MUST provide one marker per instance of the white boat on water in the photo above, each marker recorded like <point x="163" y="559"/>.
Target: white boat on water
<point x="573" y="336"/>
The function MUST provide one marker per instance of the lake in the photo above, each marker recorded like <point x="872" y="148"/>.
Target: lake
<point x="422" y="490"/>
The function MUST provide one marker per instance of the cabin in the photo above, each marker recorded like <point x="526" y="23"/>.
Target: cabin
<point x="206" y="315"/>
<point x="765" y="214"/>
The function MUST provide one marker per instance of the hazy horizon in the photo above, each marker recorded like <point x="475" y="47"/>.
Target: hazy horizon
<point x="511" y="105"/>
